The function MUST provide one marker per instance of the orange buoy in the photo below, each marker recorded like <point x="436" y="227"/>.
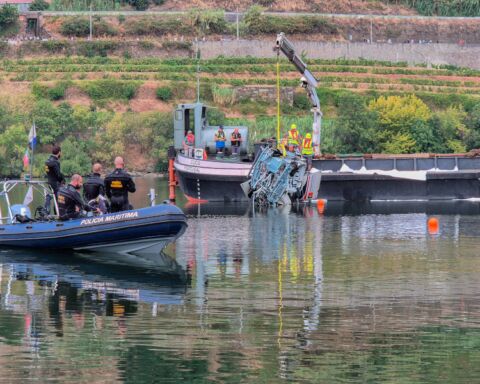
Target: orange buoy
<point x="320" y="205"/>
<point x="433" y="226"/>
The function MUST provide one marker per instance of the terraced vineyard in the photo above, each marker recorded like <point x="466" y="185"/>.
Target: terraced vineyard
<point x="117" y="105"/>
<point x="356" y="76"/>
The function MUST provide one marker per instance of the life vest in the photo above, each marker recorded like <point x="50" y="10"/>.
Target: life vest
<point x="307" y="148"/>
<point x="293" y="137"/>
<point x="283" y="146"/>
<point x="220" y="135"/>
<point x="190" y="140"/>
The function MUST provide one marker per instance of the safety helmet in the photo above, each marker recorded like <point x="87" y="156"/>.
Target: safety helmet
<point x="293" y="126"/>
<point x="308" y="136"/>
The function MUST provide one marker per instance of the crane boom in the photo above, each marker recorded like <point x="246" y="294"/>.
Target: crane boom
<point x="309" y="82"/>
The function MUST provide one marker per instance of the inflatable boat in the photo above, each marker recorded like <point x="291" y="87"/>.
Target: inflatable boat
<point x="138" y="231"/>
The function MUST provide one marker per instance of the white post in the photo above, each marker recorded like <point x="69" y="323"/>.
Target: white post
<point x="91" y="25"/>
<point x="238" y="27"/>
<point x="152" y="196"/>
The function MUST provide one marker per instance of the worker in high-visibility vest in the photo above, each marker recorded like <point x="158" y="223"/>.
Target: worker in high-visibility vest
<point x="282" y="146"/>
<point x="294" y="137"/>
<point x="307" y="150"/>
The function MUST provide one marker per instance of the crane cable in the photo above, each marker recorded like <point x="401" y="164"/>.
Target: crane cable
<point x="278" y="99"/>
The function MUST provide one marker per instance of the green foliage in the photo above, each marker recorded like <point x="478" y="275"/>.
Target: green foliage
<point x="3" y="48"/>
<point x="84" y="5"/>
<point x="215" y="116"/>
<point x="139" y="5"/>
<point x="180" y="45"/>
<point x="222" y="95"/>
<point x="96" y="48"/>
<point x="80" y="27"/>
<point x="301" y="101"/>
<point x="110" y="89"/>
<point x="164" y="93"/>
<point x="75" y="157"/>
<point x="13" y="142"/>
<point x="400" y="143"/>
<point x="256" y="22"/>
<point x="8" y="21"/>
<point x="207" y="21"/>
<point x="55" y="46"/>
<point x="39" y="5"/>
<point x="156" y="26"/>
<point x="8" y="15"/>
<point x="444" y="7"/>
<point x="355" y="129"/>
<point x="56" y="92"/>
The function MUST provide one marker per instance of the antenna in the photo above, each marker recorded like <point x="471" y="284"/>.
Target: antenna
<point x="198" y="70"/>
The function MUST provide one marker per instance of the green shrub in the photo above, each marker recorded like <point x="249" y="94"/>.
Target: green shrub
<point x="301" y="101"/>
<point x="139" y="5"/>
<point x="3" y="48"/>
<point x="145" y="44"/>
<point x="157" y="26"/>
<point x="96" y="48"/>
<point x="164" y="93"/>
<point x="56" y="92"/>
<point x="80" y="27"/>
<point x="258" y="23"/>
<point x="39" y="5"/>
<point x="177" y="45"/>
<point x="55" y="46"/>
<point x="8" y="15"/>
<point x="208" y="21"/>
<point x="77" y="26"/>
<point x="110" y="89"/>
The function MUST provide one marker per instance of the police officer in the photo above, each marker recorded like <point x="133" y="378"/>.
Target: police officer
<point x="117" y="186"/>
<point x="52" y="169"/>
<point x="94" y="188"/>
<point x="70" y="203"/>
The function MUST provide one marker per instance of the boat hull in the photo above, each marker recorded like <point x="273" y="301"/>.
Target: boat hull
<point x="142" y="230"/>
<point x="439" y="178"/>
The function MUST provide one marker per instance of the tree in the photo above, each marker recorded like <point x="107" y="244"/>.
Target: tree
<point x="39" y="5"/>
<point x="8" y="16"/>
<point x="13" y="143"/>
<point x="355" y="129"/>
<point x="399" y="113"/>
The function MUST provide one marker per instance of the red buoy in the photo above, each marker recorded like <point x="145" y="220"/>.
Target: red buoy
<point x="320" y="206"/>
<point x="433" y="226"/>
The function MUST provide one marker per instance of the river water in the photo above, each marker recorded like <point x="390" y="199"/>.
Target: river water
<point x="356" y="294"/>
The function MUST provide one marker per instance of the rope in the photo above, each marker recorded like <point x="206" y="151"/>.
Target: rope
<point x="278" y="99"/>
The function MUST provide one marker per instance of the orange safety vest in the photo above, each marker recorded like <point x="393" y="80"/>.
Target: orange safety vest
<point x="190" y="140"/>
<point x="307" y="148"/>
<point x="293" y="137"/>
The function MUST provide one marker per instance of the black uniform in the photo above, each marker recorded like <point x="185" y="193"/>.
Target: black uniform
<point x="70" y="203"/>
<point x="93" y="186"/>
<point x="54" y="176"/>
<point x="117" y="186"/>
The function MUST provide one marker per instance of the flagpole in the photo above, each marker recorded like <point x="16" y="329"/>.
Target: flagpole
<point x="33" y="150"/>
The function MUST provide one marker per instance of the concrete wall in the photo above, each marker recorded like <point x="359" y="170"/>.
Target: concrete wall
<point x="453" y="54"/>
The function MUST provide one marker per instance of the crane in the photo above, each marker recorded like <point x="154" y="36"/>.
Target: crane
<point x="309" y="82"/>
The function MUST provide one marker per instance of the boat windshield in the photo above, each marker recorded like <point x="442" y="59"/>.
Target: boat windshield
<point x="24" y="200"/>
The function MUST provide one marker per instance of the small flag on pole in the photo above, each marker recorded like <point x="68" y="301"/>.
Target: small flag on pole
<point x="26" y="159"/>
<point x="32" y="137"/>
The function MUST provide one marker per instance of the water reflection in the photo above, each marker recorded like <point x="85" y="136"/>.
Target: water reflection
<point x="282" y="295"/>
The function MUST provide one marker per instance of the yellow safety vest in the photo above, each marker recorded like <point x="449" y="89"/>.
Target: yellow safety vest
<point x="307" y="148"/>
<point x="293" y="137"/>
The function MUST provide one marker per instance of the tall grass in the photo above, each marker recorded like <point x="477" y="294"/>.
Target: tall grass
<point x="223" y="96"/>
<point x="443" y="7"/>
<point x="84" y="5"/>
